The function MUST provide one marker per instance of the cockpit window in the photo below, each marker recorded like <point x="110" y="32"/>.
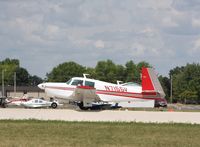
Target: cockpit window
<point x="68" y="82"/>
<point x="77" y="82"/>
<point x="88" y="83"/>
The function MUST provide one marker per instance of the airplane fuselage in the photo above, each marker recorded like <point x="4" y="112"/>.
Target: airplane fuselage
<point x="107" y="92"/>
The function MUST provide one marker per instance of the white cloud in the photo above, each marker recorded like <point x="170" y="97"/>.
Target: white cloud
<point x="52" y="32"/>
<point x="157" y="31"/>
<point x="169" y="22"/>
<point x="137" y="49"/>
<point x="82" y="42"/>
<point x="196" y="47"/>
<point x="99" y="44"/>
<point x="155" y="4"/>
<point x="195" y="22"/>
<point x="52" y="29"/>
<point x="148" y="31"/>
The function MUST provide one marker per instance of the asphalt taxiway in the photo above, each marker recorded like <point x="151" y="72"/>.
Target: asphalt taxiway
<point x="106" y="115"/>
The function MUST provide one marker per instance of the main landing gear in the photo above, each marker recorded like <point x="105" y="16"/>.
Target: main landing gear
<point x="97" y="106"/>
<point x="81" y="106"/>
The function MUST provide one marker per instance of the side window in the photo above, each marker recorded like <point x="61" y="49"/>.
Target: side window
<point x="77" y="82"/>
<point x="36" y="101"/>
<point x="88" y="83"/>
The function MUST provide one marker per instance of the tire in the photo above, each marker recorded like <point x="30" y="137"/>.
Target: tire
<point x="82" y="107"/>
<point x="54" y="105"/>
<point x="4" y="105"/>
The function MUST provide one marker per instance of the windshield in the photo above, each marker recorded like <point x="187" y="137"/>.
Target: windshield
<point x="77" y="82"/>
<point x="68" y="82"/>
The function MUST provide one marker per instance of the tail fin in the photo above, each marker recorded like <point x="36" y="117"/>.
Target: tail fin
<point x="150" y="82"/>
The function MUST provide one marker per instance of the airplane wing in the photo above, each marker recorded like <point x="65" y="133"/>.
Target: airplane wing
<point x="85" y="94"/>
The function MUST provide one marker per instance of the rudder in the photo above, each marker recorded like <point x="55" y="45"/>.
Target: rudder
<point x="150" y="82"/>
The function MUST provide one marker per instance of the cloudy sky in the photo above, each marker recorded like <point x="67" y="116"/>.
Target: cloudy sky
<point x="45" y="33"/>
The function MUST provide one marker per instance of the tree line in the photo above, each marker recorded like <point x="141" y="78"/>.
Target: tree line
<point x="9" y="67"/>
<point x="104" y="70"/>
<point x="185" y="79"/>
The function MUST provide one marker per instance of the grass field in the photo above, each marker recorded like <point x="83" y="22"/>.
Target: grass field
<point x="56" y="133"/>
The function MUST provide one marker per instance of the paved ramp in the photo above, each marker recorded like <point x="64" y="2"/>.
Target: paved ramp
<point x="122" y="116"/>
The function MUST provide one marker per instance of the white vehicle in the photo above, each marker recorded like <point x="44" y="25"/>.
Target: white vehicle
<point x="39" y="103"/>
<point x="89" y="93"/>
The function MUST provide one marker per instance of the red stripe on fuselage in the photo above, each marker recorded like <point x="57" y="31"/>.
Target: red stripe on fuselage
<point x="133" y="95"/>
<point x="150" y="96"/>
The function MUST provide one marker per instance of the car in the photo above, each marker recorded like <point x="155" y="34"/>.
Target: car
<point x="161" y="103"/>
<point x="39" y="103"/>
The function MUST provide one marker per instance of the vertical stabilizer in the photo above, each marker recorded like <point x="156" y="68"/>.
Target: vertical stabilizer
<point x="150" y="82"/>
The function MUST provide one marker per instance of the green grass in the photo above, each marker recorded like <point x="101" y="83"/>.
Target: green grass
<point x="57" y="133"/>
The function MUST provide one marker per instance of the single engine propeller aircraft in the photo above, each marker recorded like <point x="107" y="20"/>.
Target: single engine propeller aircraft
<point x="88" y="93"/>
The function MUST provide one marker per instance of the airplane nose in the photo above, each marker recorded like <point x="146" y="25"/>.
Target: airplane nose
<point x="41" y="86"/>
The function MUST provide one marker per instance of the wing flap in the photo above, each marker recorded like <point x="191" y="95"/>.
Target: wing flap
<point x="85" y="94"/>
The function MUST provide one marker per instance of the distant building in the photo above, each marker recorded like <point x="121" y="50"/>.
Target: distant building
<point x="30" y="91"/>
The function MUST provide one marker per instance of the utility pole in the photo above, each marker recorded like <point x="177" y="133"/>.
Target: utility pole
<point x="14" y="84"/>
<point x="2" y="91"/>
<point x="171" y="88"/>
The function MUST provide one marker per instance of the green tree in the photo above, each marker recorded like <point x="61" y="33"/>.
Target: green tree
<point x="22" y="77"/>
<point x="176" y="70"/>
<point x="131" y="71"/>
<point x="188" y="95"/>
<point x="186" y="82"/>
<point x="91" y="72"/>
<point x="120" y="73"/>
<point x="165" y="83"/>
<point x="142" y="64"/>
<point x="65" y="71"/>
<point x="35" y="80"/>
<point x="106" y="71"/>
<point x="8" y="67"/>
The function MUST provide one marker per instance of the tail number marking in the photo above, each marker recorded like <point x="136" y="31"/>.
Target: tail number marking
<point x="116" y="88"/>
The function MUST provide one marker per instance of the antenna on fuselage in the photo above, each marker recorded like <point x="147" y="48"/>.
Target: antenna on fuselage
<point x="84" y="75"/>
<point x="119" y="82"/>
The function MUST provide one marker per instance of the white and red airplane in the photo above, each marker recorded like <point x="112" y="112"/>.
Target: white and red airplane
<point x="88" y="93"/>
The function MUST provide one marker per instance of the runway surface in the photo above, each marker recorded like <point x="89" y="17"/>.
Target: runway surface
<point x="106" y="115"/>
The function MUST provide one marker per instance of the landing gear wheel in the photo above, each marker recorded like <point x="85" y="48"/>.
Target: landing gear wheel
<point x="54" y="105"/>
<point x="4" y="105"/>
<point x="82" y="107"/>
